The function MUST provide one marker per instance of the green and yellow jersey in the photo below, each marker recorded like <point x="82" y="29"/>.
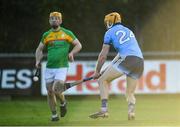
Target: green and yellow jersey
<point x="58" y="44"/>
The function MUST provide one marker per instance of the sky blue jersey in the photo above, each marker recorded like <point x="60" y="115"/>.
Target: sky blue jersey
<point x="123" y="40"/>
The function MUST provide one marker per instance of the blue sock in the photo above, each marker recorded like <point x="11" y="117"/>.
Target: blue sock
<point x="104" y="103"/>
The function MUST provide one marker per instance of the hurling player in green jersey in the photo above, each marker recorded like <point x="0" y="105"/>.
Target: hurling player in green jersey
<point x="57" y="41"/>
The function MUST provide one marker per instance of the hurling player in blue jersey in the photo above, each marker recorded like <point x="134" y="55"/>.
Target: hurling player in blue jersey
<point x="129" y="61"/>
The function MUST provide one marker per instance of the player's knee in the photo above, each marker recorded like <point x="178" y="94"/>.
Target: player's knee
<point x="58" y="87"/>
<point x="102" y="79"/>
<point x="50" y="92"/>
<point x="59" y="82"/>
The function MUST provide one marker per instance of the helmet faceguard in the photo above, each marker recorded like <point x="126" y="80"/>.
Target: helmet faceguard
<point x="111" y="19"/>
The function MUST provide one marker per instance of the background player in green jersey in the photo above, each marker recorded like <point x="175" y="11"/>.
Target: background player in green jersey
<point x="57" y="41"/>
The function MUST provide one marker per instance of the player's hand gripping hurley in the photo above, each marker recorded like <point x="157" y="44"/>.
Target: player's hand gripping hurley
<point x="69" y="85"/>
<point x="36" y="75"/>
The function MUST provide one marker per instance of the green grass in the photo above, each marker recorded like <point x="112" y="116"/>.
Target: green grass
<point x="151" y="110"/>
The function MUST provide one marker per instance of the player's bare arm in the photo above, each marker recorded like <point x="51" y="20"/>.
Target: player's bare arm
<point x="39" y="54"/>
<point x="101" y="59"/>
<point x="76" y="49"/>
<point x="116" y="58"/>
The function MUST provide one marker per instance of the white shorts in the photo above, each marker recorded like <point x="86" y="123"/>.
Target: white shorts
<point x="55" y="74"/>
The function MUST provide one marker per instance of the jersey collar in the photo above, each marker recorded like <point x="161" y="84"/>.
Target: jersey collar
<point x="116" y="24"/>
<point x="58" y="29"/>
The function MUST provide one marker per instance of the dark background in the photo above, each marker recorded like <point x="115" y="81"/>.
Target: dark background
<point x="155" y="22"/>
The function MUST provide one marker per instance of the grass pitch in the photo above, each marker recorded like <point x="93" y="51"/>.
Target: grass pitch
<point x="151" y="110"/>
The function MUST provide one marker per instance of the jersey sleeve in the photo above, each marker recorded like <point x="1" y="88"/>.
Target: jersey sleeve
<point x="72" y="37"/>
<point x="43" y="38"/>
<point x="107" y="38"/>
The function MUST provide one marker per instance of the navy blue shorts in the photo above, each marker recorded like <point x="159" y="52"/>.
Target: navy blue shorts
<point x="132" y="66"/>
